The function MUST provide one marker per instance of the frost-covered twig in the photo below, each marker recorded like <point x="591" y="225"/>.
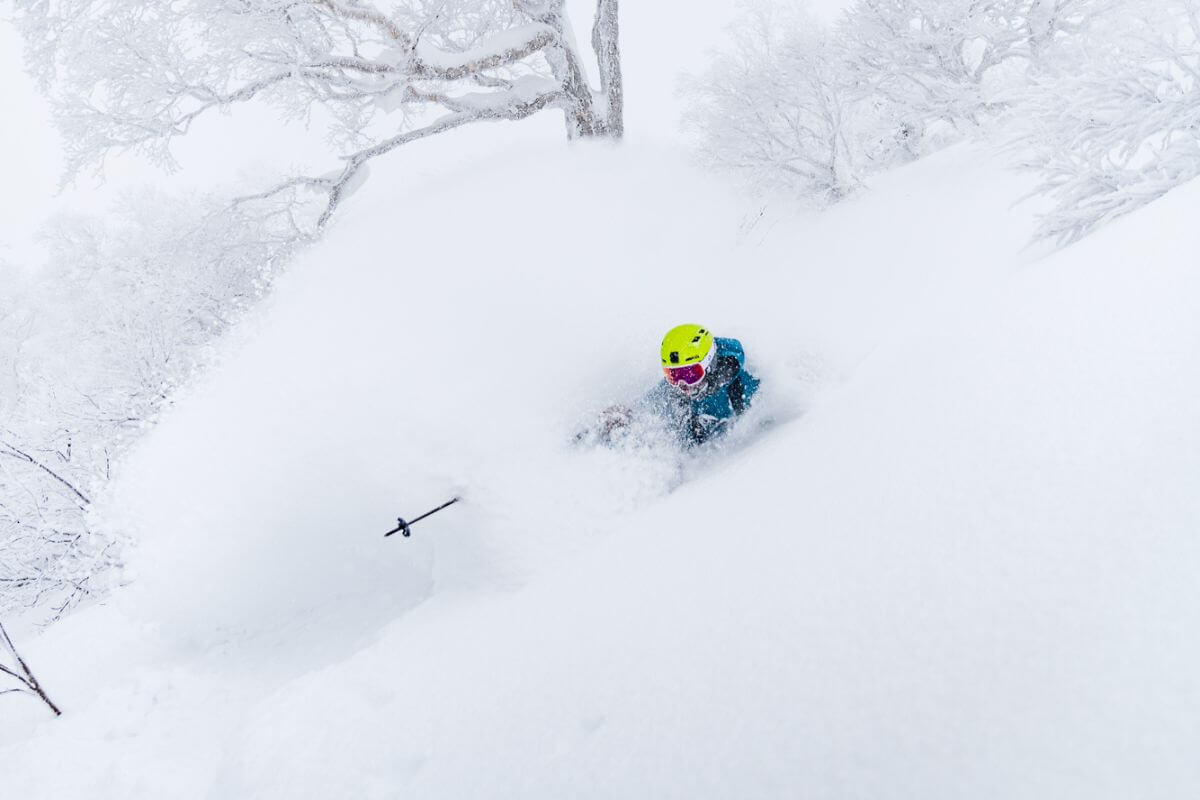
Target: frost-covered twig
<point x="8" y="449"/>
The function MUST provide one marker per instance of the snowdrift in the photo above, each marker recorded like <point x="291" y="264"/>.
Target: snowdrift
<point x="960" y="563"/>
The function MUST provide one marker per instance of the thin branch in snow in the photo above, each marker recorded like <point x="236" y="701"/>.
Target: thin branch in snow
<point x="25" y="676"/>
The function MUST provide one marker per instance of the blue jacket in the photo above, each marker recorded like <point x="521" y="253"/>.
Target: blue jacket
<point x="726" y="393"/>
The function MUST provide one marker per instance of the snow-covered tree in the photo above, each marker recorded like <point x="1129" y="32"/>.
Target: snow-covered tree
<point x="1113" y="120"/>
<point x="813" y="110"/>
<point x="930" y="56"/>
<point x="121" y="316"/>
<point x="951" y="62"/>
<point x="776" y="106"/>
<point x="48" y="555"/>
<point x="1048" y="22"/>
<point x="132" y="75"/>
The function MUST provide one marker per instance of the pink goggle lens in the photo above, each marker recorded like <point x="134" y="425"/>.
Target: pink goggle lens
<point x="689" y="375"/>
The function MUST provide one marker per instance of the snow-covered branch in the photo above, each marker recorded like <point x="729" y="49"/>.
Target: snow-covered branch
<point x="501" y="50"/>
<point x="1111" y="123"/>
<point x="369" y="16"/>
<point x="509" y="105"/>
<point x="125" y="79"/>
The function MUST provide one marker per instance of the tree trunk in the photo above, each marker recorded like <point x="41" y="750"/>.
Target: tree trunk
<point x="606" y="44"/>
<point x="589" y="113"/>
<point x="564" y="60"/>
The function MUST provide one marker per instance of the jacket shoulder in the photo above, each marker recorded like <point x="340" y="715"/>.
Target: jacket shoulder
<point x="731" y="348"/>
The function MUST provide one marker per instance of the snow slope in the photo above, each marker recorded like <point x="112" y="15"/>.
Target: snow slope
<point x="960" y="564"/>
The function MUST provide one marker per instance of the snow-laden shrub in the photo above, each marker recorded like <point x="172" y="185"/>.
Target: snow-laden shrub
<point x="90" y="351"/>
<point x="1113" y="120"/>
<point x="813" y="110"/>
<point x="931" y="58"/>
<point x="778" y="107"/>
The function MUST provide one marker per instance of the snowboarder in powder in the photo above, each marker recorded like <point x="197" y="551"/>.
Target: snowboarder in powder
<point x="706" y="385"/>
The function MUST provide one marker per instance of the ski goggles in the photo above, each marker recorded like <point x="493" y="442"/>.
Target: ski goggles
<point x="688" y="375"/>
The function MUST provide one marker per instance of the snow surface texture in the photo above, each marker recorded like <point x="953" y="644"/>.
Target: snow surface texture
<point x="961" y="563"/>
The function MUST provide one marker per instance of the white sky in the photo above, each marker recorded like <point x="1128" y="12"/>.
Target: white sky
<point x="29" y="148"/>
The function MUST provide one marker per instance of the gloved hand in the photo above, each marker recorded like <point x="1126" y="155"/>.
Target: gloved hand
<point x="614" y="418"/>
<point x="609" y="424"/>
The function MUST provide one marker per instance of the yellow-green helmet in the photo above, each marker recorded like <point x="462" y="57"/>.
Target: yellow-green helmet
<point x="686" y="344"/>
<point x="687" y="353"/>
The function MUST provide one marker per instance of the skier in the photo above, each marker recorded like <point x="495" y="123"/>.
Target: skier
<point x="706" y="386"/>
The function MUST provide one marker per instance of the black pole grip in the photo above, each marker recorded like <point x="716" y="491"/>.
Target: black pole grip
<point x="402" y="527"/>
<point x="405" y="528"/>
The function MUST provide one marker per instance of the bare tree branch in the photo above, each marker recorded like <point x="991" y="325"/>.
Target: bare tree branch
<point x="26" y="678"/>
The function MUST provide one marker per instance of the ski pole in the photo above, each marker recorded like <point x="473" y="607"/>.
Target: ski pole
<point x="403" y="527"/>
